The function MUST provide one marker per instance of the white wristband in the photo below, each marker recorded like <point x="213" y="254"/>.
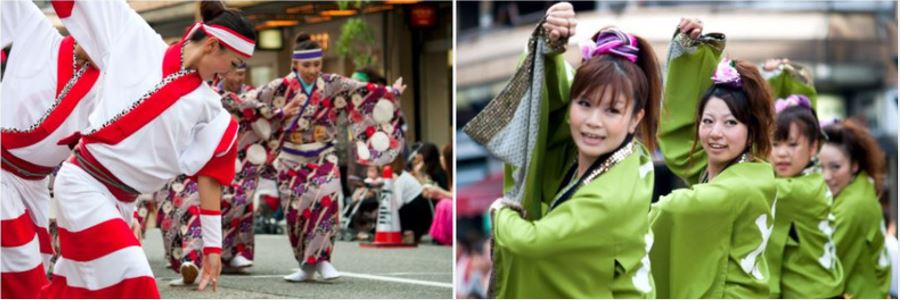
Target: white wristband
<point x="211" y="231"/>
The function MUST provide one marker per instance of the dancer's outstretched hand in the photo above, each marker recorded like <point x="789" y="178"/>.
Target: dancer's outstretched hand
<point x="399" y="85"/>
<point x="292" y="108"/>
<point x="136" y="229"/>
<point x="212" y="267"/>
<point x="693" y="27"/>
<point x="773" y="63"/>
<point x="560" y="21"/>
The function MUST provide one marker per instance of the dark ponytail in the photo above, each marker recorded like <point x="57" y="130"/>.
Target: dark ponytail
<point x="215" y="13"/>
<point x="304" y="42"/>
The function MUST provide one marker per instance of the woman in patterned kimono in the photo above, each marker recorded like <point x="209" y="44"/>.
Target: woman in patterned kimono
<point x="710" y="237"/>
<point x="853" y="169"/>
<point x="800" y="253"/>
<point x="591" y="236"/>
<point x="308" y="176"/>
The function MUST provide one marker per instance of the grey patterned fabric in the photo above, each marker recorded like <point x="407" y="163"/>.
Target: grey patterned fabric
<point x="682" y="43"/>
<point x="508" y="125"/>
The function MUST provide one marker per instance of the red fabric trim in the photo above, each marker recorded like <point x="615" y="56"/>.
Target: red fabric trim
<point x="229" y="139"/>
<point x="23" y="164"/>
<point x="26" y="284"/>
<point x="64" y="69"/>
<point x="70" y="140"/>
<point x="210" y="250"/>
<point x="172" y="59"/>
<point x="118" y="193"/>
<point x="18" y="231"/>
<point x="44" y="240"/>
<point x="210" y="212"/>
<point x="221" y="166"/>
<point x="63" y="8"/>
<point x="104" y="238"/>
<point x="145" y="112"/>
<point x="13" y="140"/>
<point x="143" y="287"/>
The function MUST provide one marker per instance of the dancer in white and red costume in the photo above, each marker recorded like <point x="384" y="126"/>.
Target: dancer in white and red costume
<point x="48" y="94"/>
<point x="156" y="118"/>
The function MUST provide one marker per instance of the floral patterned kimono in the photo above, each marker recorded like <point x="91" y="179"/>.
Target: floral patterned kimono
<point x="308" y="176"/>
<point x="178" y="213"/>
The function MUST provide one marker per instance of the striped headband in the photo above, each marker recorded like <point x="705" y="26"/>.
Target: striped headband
<point x="612" y="41"/>
<point x="238" y="43"/>
<point x="303" y="55"/>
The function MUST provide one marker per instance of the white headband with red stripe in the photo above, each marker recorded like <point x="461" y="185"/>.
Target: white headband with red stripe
<point x="233" y="40"/>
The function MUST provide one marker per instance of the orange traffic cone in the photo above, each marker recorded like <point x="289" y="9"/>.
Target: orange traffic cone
<point x="387" y="231"/>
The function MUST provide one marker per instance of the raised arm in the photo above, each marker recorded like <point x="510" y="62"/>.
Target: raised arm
<point x="102" y="27"/>
<point x="787" y="79"/>
<point x="691" y="64"/>
<point x="23" y="23"/>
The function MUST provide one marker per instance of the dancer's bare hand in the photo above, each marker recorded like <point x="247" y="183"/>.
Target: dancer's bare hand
<point x="136" y="229"/>
<point x="773" y="63"/>
<point x="399" y="86"/>
<point x="560" y="22"/>
<point x="292" y="108"/>
<point x="212" y="267"/>
<point x="693" y="27"/>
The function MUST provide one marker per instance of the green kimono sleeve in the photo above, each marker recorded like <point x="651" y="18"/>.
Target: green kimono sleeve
<point x="691" y="66"/>
<point x="790" y="79"/>
<point x="594" y="245"/>
<point x="801" y="251"/>
<point x="554" y="149"/>
<point x="860" y="240"/>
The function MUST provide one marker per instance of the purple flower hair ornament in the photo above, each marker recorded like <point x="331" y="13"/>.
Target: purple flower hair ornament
<point x="726" y="74"/>
<point x="792" y="100"/>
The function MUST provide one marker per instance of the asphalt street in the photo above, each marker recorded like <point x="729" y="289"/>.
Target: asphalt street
<point x="422" y="272"/>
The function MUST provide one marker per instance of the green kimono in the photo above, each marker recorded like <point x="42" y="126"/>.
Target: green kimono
<point x="594" y="245"/>
<point x="790" y="79"/>
<point x="801" y="252"/>
<point x="709" y="238"/>
<point x="859" y="238"/>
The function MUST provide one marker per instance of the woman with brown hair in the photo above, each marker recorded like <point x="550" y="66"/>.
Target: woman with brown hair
<point x="710" y="237"/>
<point x="581" y="229"/>
<point x="801" y="252"/>
<point x="854" y="171"/>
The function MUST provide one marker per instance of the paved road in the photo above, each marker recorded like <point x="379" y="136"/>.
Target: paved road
<point x="423" y="272"/>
